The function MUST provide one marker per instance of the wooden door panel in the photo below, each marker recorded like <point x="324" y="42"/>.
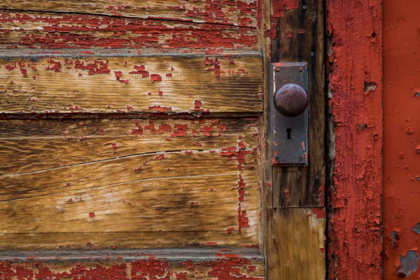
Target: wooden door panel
<point x="229" y="12"/>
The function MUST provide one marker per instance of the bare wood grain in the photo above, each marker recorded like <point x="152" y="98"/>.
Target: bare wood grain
<point x="131" y="84"/>
<point x="69" y="178"/>
<point x="32" y="145"/>
<point x="236" y="12"/>
<point x="188" y="203"/>
<point x="297" y="244"/>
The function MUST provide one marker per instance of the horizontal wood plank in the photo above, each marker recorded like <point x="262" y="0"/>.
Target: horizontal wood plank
<point x="180" y="264"/>
<point x="229" y="12"/>
<point x="124" y="240"/>
<point x="38" y="145"/>
<point x="162" y="84"/>
<point x="169" y="182"/>
<point x="69" y="31"/>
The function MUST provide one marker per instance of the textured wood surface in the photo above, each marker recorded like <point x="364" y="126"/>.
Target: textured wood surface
<point x="229" y="12"/>
<point x="180" y="264"/>
<point x="129" y="183"/>
<point x="297" y="246"/>
<point x="85" y="31"/>
<point x="166" y="84"/>
<point x="299" y="37"/>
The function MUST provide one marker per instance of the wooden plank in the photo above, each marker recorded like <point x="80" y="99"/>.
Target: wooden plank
<point x="124" y="240"/>
<point x="297" y="244"/>
<point x="299" y="35"/>
<point x="186" y="203"/>
<point x="229" y="12"/>
<point x="163" y="84"/>
<point x="69" y="31"/>
<point x="295" y="230"/>
<point x="196" y="192"/>
<point x="32" y="145"/>
<point x="140" y="264"/>
<point x="356" y="131"/>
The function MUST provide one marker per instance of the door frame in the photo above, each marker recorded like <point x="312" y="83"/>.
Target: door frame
<point x="351" y="55"/>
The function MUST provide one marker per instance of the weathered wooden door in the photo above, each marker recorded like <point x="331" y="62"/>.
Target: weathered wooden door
<point x="134" y="141"/>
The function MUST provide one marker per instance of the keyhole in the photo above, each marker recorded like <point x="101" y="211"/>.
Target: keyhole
<point x="289" y="131"/>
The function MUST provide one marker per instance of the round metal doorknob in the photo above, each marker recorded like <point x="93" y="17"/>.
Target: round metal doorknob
<point x="291" y="100"/>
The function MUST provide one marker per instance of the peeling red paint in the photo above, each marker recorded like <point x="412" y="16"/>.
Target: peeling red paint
<point x="355" y="195"/>
<point x="87" y="31"/>
<point x="225" y="267"/>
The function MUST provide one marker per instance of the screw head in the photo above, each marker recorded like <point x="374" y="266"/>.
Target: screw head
<point x="291" y="100"/>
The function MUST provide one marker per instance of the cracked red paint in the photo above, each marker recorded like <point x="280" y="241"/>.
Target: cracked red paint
<point x="227" y="266"/>
<point x="355" y="197"/>
<point x="88" y="31"/>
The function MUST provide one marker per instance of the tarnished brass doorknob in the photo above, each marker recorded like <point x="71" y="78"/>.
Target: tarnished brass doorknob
<point x="291" y="100"/>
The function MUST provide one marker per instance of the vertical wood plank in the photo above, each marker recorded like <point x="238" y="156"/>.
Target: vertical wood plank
<point x="297" y="249"/>
<point x="295" y="213"/>
<point x="297" y="32"/>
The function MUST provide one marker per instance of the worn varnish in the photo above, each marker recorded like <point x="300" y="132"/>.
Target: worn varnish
<point x="85" y="31"/>
<point x="355" y="80"/>
<point x="89" y="178"/>
<point x="179" y="264"/>
<point x="163" y="84"/>
<point x="227" y="12"/>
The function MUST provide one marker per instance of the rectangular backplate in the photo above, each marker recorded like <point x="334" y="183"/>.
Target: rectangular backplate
<point x="289" y="135"/>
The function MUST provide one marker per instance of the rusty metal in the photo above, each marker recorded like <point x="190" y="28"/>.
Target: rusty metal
<point x="289" y="114"/>
<point x="291" y="100"/>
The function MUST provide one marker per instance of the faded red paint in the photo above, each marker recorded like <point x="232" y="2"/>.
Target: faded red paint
<point x="88" y="31"/>
<point x="224" y="268"/>
<point x="402" y="135"/>
<point x="355" y="65"/>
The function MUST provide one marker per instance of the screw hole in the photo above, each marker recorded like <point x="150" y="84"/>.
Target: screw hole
<point x="289" y="131"/>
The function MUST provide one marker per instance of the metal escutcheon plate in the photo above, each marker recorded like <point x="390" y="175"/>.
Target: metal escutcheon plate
<point x="289" y="135"/>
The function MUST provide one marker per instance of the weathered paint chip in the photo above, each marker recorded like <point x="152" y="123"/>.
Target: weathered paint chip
<point x="408" y="264"/>
<point x="416" y="228"/>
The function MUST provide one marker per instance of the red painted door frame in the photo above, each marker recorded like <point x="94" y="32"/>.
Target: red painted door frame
<point x="354" y="31"/>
